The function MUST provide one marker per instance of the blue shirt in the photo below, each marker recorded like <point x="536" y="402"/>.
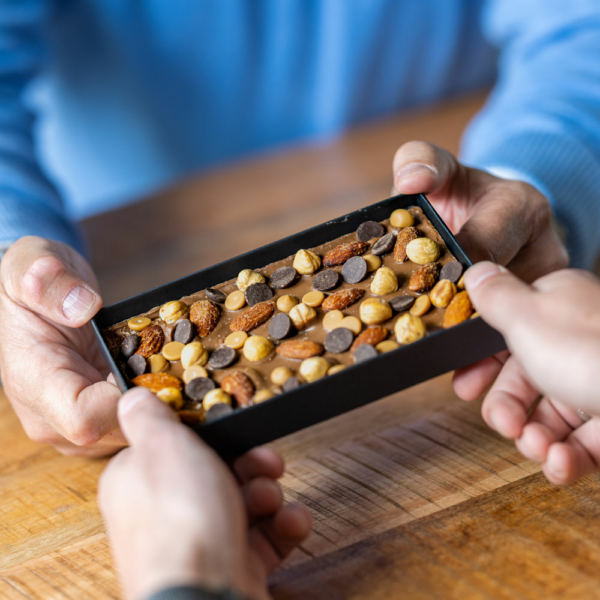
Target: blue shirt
<point x="105" y="100"/>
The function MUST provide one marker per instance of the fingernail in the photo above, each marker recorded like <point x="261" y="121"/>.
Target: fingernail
<point x="413" y="169"/>
<point x="78" y="303"/>
<point x="478" y="273"/>
<point x="132" y="398"/>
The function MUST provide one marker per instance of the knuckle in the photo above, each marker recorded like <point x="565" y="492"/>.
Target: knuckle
<point x="81" y="432"/>
<point x="39" y="275"/>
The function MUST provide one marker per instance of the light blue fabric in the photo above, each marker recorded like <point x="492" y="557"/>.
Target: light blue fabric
<point x="130" y="96"/>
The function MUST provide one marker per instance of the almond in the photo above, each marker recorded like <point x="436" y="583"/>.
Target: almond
<point x="372" y="336"/>
<point x="153" y="338"/>
<point x="342" y="299"/>
<point x="340" y="254"/>
<point x="406" y="235"/>
<point x="158" y="381"/>
<point x="239" y="386"/>
<point x="459" y="310"/>
<point x="300" y="349"/>
<point x="424" y="278"/>
<point x="205" y="315"/>
<point x="253" y="317"/>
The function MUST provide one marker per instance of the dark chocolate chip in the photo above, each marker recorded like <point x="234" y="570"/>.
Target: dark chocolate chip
<point x="368" y="230"/>
<point x="364" y="352"/>
<point x="258" y="292"/>
<point x="184" y="332"/>
<point x="402" y="303"/>
<point x="280" y="326"/>
<point x="384" y="245"/>
<point x="130" y="345"/>
<point x="290" y="384"/>
<point x="215" y="295"/>
<point x="354" y="269"/>
<point x="136" y="365"/>
<point x="326" y="280"/>
<point x="198" y="387"/>
<point x="452" y="271"/>
<point x="339" y="340"/>
<point x="222" y="358"/>
<point x="216" y="411"/>
<point x="283" y="277"/>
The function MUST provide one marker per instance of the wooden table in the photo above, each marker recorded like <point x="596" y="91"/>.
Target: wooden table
<point x="413" y="496"/>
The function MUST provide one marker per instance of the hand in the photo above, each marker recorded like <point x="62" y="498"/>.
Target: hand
<point x="52" y="370"/>
<point x="552" y="329"/>
<point x="176" y="515"/>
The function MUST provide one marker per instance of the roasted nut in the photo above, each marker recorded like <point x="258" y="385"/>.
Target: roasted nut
<point x="193" y="372"/>
<point x="313" y="299"/>
<point x="373" y="262"/>
<point x="342" y="299"/>
<point x="351" y="323"/>
<point x="424" y="278"/>
<point x="280" y="375"/>
<point x="332" y="319"/>
<point x="384" y="282"/>
<point x="336" y="369"/>
<point x="138" y="323"/>
<point x="172" y="350"/>
<point x="235" y="300"/>
<point x="443" y="291"/>
<point x="216" y="396"/>
<point x="253" y="317"/>
<point x="314" y="368"/>
<point x="386" y="346"/>
<point x="374" y="311"/>
<point x="172" y="311"/>
<point x="247" y="277"/>
<point x="371" y="336"/>
<point x="401" y="218"/>
<point x="239" y="386"/>
<point x="405" y="236"/>
<point x="257" y="347"/>
<point x="300" y="349"/>
<point x="461" y="283"/>
<point x="423" y="251"/>
<point x="236" y="340"/>
<point x="158" y="363"/>
<point x="301" y="315"/>
<point x="306" y="262"/>
<point x="205" y="315"/>
<point x="474" y="315"/>
<point x="409" y="328"/>
<point x="286" y="303"/>
<point x="459" y="310"/>
<point x="193" y="353"/>
<point x="421" y="306"/>
<point x="153" y="338"/>
<point x="340" y="254"/>
<point x="261" y="396"/>
<point x="171" y="396"/>
<point x="157" y="381"/>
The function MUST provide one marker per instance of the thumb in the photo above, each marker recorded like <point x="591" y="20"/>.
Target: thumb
<point x="51" y="279"/>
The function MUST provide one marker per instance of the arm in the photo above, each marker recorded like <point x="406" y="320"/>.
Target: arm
<point x="542" y="122"/>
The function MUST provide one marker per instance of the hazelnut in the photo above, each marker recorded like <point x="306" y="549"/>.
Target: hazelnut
<point x="306" y="262"/>
<point x="286" y="303"/>
<point x="373" y="262"/>
<point x="301" y="315"/>
<point x="257" y="347"/>
<point x="217" y="396"/>
<point x="171" y="396"/>
<point x="374" y="311"/>
<point x="193" y="372"/>
<point x="401" y="218"/>
<point x="138" y="323"/>
<point x="158" y="363"/>
<point x="280" y="375"/>
<point x="173" y="311"/>
<point x="384" y="282"/>
<point x="262" y="395"/>
<point x="423" y="251"/>
<point x="193" y="353"/>
<point x="421" y="306"/>
<point x="441" y="294"/>
<point x="248" y="277"/>
<point x="314" y="368"/>
<point x="409" y="328"/>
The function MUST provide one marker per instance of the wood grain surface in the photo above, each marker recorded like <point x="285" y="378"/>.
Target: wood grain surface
<point x="413" y="496"/>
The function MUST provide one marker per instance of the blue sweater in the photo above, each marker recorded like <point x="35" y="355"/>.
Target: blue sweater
<point x="105" y="100"/>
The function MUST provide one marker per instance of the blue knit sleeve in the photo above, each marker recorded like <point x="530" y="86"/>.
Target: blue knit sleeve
<point x="29" y="203"/>
<point x="543" y="117"/>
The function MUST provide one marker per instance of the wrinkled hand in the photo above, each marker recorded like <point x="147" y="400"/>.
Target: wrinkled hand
<point x="552" y="329"/>
<point x="176" y="515"/>
<point x="52" y="370"/>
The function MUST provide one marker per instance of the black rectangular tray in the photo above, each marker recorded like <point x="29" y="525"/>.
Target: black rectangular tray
<point x="437" y="353"/>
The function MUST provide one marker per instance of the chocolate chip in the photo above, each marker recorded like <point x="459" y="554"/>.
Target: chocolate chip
<point x="338" y="340"/>
<point x="402" y="303"/>
<point x="198" y="387"/>
<point x="283" y="277"/>
<point x="216" y="411"/>
<point x="280" y="326"/>
<point x="222" y="358"/>
<point x="215" y="295"/>
<point x="368" y="230"/>
<point x="326" y="280"/>
<point x="364" y="352"/>
<point x="291" y="383"/>
<point x="130" y="345"/>
<point x="452" y="271"/>
<point x="384" y="245"/>
<point x="354" y="270"/>
<point x="184" y="332"/>
<point x="136" y="365"/>
<point x="258" y="292"/>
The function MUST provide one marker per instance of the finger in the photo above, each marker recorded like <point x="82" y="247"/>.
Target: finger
<point x="472" y="381"/>
<point x="51" y="279"/>
<point x="508" y="402"/>
<point x="259" y="462"/>
<point x="262" y="498"/>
